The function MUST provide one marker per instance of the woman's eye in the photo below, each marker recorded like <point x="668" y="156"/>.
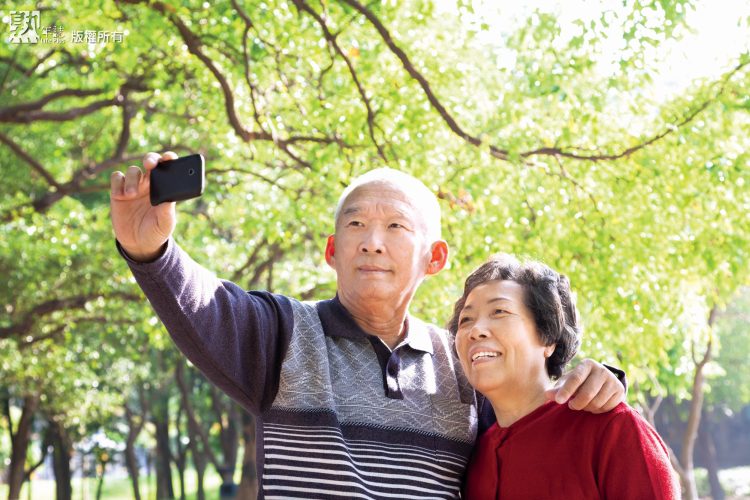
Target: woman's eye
<point x="501" y="311"/>
<point x="463" y="320"/>
<point x="396" y="225"/>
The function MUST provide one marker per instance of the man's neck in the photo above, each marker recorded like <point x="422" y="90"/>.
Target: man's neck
<point x="379" y="319"/>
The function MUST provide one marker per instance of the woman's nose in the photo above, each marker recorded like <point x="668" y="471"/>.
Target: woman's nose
<point x="478" y="332"/>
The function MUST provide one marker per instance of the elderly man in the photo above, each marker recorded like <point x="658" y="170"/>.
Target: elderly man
<point x="353" y="397"/>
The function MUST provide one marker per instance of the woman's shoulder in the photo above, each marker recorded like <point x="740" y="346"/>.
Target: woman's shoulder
<point x="621" y="415"/>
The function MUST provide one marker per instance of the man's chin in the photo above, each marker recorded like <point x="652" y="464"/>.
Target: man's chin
<point x="375" y="291"/>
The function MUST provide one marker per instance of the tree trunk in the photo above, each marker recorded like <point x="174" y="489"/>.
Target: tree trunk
<point x="202" y="452"/>
<point x="180" y="456"/>
<point x="200" y="461"/>
<point x="248" y="489"/>
<point x="712" y="463"/>
<point x="164" y="488"/>
<point x="19" y="445"/>
<point x="181" y="479"/>
<point x="227" y="413"/>
<point x="200" y="474"/>
<point x="100" y="483"/>
<point x="131" y="461"/>
<point x="687" y="471"/>
<point x="135" y="426"/>
<point x="62" y="451"/>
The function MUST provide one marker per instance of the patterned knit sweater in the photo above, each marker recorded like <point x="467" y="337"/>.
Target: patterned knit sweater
<point x="338" y="413"/>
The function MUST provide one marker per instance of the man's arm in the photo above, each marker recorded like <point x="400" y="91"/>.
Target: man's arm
<point x="591" y="387"/>
<point x="236" y="338"/>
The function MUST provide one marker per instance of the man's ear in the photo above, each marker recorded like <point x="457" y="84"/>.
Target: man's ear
<point x="438" y="257"/>
<point x="330" y="250"/>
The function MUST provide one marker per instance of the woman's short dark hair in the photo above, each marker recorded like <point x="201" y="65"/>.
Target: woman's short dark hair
<point x="546" y="294"/>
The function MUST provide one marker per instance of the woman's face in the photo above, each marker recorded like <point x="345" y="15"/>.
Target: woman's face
<point x="497" y="340"/>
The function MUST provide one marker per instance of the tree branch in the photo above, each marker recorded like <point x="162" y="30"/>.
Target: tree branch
<point x="31" y="317"/>
<point x="194" y="44"/>
<point x="57" y="116"/>
<point x="696" y="401"/>
<point x="629" y="151"/>
<point x="35" y="165"/>
<point x="11" y="111"/>
<point x="8" y="418"/>
<point x="416" y="75"/>
<point x="45" y="451"/>
<point x="246" y="61"/>
<point x="502" y="153"/>
<point x="331" y="38"/>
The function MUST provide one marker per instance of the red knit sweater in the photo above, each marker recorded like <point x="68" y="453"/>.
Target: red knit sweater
<point x="556" y="452"/>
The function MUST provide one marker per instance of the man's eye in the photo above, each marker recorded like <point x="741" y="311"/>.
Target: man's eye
<point x="355" y="223"/>
<point x="396" y="225"/>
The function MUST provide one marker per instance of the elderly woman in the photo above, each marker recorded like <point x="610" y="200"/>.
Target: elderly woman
<point x="516" y="327"/>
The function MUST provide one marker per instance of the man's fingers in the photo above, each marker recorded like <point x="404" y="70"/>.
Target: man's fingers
<point x="116" y="184"/>
<point x="587" y="401"/>
<point x="596" y="393"/>
<point x="151" y="160"/>
<point x="571" y="382"/>
<point x="550" y="394"/>
<point x="611" y="404"/>
<point x="132" y="180"/>
<point x="588" y="390"/>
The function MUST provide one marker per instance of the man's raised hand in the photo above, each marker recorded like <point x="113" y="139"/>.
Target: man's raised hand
<point x="140" y="228"/>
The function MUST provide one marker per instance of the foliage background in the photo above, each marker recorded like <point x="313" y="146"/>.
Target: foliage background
<point x="544" y="141"/>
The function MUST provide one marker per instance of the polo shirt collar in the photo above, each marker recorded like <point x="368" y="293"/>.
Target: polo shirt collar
<point x="338" y="322"/>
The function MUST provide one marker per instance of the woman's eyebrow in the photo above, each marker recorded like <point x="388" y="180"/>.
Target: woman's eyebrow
<point x="491" y="301"/>
<point x="499" y="299"/>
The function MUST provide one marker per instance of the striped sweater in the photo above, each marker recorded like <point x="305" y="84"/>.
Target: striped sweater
<point x="339" y="415"/>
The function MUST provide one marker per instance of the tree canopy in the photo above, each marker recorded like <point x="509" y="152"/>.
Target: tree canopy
<point x="542" y="141"/>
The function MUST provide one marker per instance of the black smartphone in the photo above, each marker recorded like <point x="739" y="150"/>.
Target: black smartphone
<point x="175" y="180"/>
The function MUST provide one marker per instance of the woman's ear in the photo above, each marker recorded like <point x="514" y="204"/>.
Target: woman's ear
<point x="330" y="250"/>
<point x="438" y="257"/>
<point x="548" y="350"/>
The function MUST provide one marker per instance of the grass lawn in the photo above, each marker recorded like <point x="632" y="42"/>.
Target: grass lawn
<point x="117" y="488"/>
<point x="736" y="483"/>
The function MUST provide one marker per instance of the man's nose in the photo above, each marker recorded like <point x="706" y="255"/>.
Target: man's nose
<point x="372" y="242"/>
